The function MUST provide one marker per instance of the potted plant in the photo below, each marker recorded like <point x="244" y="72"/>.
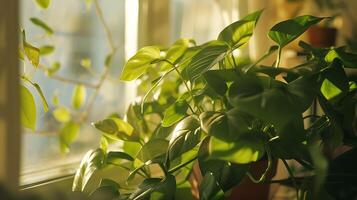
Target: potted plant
<point x="201" y="104"/>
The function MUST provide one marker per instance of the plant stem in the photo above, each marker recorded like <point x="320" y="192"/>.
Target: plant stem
<point x="291" y="177"/>
<point x="75" y="82"/>
<point x="106" y="71"/>
<point x="277" y="63"/>
<point x="105" y="25"/>
<point x="263" y="177"/>
<point x="182" y="165"/>
<point x="152" y="88"/>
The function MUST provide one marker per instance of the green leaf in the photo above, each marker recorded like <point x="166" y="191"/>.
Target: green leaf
<point x="139" y="63"/>
<point x="68" y="134"/>
<point x="156" y="188"/>
<point x="225" y="125"/>
<point x="46" y="50"/>
<point x="349" y="59"/>
<point x="39" y="91"/>
<point x="175" y="113"/>
<point x="91" y="162"/>
<point x="209" y="188"/>
<point x="86" y="63"/>
<point x="239" y="33"/>
<point x="28" y="109"/>
<point x="42" y="25"/>
<point x="226" y="173"/>
<point x="175" y="52"/>
<point x="116" y="157"/>
<point x="78" y="96"/>
<point x="329" y="90"/>
<point x="53" y="69"/>
<point x="32" y="53"/>
<point x="44" y="4"/>
<point x="183" y="191"/>
<point x="62" y="114"/>
<point x="206" y="59"/>
<point x="185" y="136"/>
<point x="266" y="99"/>
<point x="115" y="128"/>
<point x="286" y="31"/>
<point x="248" y="148"/>
<point x="107" y="190"/>
<point x="151" y="150"/>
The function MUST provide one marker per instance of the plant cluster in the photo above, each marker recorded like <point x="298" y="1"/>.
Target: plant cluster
<point x="202" y="104"/>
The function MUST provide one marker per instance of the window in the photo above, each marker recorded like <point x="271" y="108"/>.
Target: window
<point x="81" y="48"/>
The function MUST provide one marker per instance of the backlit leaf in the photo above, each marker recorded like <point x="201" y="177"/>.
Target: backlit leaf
<point x="242" y="151"/>
<point x="91" y="162"/>
<point x="46" y="50"/>
<point x="68" y="134"/>
<point x="206" y="58"/>
<point x="44" y="4"/>
<point x="138" y="64"/>
<point x="27" y="109"/>
<point x="62" y="114"/>
<point x="239" y="33"/>
<point x="32" y="53"/>
<point x="175" y="113"/>
<point x="115" y="128"/>
<point x="38" y="22"/>
<point x="78" y="96"/>
<point x="286" y="31"/>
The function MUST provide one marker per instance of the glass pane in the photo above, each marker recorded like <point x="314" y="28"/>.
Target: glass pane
<point x="81" y="48"/>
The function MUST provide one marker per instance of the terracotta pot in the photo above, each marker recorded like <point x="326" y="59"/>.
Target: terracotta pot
<point x="322" y="36"/>
<point x="247" y="190"/>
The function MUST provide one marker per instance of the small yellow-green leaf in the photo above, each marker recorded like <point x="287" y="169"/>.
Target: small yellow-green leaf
<point x="28" y="109"/>
<point x="42" y="25"/>
<point x="78" y="96"/>
<point x="62" y="114"/>
<point x="88" y="4"/>
<point x="53" y="69"/>
<point x="39" y="91"/>
<point x="44" y="4"/>
<point x="115" y="128"/>
<point x="329" y="90"/>
<point x="108" y="60"/>
<point x="46" y="50"/>
<point x="55" y="100"/>
<point x="32" y="53"/>
<point x="86" y="63"/>
<point x="68" y="134"/>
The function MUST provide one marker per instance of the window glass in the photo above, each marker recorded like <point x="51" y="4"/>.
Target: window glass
<point x="81" y="48"/>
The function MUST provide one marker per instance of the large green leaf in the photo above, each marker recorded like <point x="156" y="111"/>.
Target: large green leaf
<point x="286" y="31"/>
<point x="44" y="4"/>
<point x="156" y="188"/>
<point x="117" y="157"/>
<point x="107" y="190"/>
<point x="151" y="150"/>
<point x="39" y="91"/>
<point x="78" y="96"/>
<point x="226" y="126"/>
<point x="38" y="22"/>
<point x="265" y="98"/>
<point x="206" y="58"/>
<point x="91" y="162"/>
<point x="27" y="109"/>
<point x="68" y="134"/>
<point x="248" y="148"/>
<point x="185" y="137"/>
<point x="239" y="33"/>
<point x="209" y="188"/>
<point x="175" y="113"/>
<point x="140" y="62"/>
<point x="175" y="52"/>
<point x="226" y="173"/>
<point x="115" y="128"/>
<point x="217" y="79"/>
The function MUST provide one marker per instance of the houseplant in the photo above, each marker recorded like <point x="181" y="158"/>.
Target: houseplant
<point x="201" y="104"/>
